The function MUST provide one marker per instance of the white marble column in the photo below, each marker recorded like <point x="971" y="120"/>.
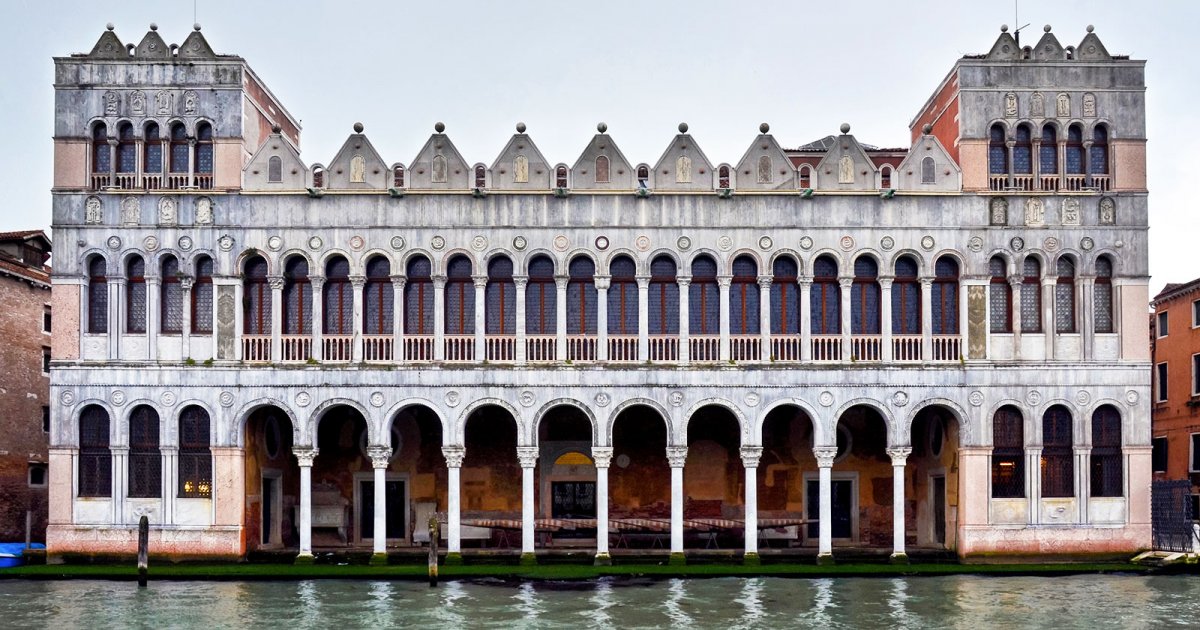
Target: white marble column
<point x="398" y="283"/>
<point x="764" y="317"/>
<point x="560" y="318"/>
<point x="723" y="316"/>
<point x="153" y="315"/>
<point x="380" y="458"/>
<point x="602" y="284"/>
<point x="805" y="308"/>
<point x="276" y="284"/>
<point x="899" y="455"/>
<point x="120" y="481"/>
<point x="356" y="343"/>
<point x="1049" y="323"/>
<point x="305" y="457"/>
<point x="317" y="284"/>
<point x="454" y="458"/>
<point x="676" y="457"/>
<point x="528" y="456"/>
<point x="1083" y="481"/>
<point x="643" y="283"/>
<point x="1033" y="482"/>
<point x="1085" y="310"/>
<point x="685" y="351"/>
<point x="185" y="284"/>
<point x="519" y="283"/>
<point x="926" y="319"/>
<point x="1014" y="293"/>
<point x="750" y="457"/>
<point x="602" y="456"/>
<point x="825" y="456"/>
<point x="439" y="318"/>
<point x="847" y="285"/>
<point x="170" y="482"/>
<point x="885" y="318"/>
<point x="480" y="317"/>
<point x="116" y="315"/>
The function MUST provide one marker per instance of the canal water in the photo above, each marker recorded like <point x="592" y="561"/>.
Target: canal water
<point x="1088" y="601"/>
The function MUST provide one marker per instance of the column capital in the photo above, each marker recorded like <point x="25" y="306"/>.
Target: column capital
<point x="439" y="282"/>
<point x="528" y="456"/>
<point x="602" y="282"/>
<point x="399" y="281"/>
<point x="1049" y="281"/>
<point x="174" y="450"/>
<point x="677" y="456"/>
<point x="846" y="282"/>
<point x="1014" y="282"/>
<point x="825" y="455"/>
<point x="899" y="454"/>
<point x="724" y="281"/>
<point x="751" y="455"/>
<point x="804" y="281"/>
<point x="926" y="281"/>
<point x="1083" y="450"/>
<point x="305" y="455"/>
<point x="152" y="280"/>
<point x="765" y="282"/>
<point x="643" y="282"/>
<point x="885" y="282"/>
<point x="357" y="281"/>
<point x="186" y="282"/>
<point x="520" y="281"/>
<point x="683" y="281"/>
<point x="454" y="456"/>
<point x="119" y="450"/>
<point x="602" y="455"/>
<point x="276" y="282"/>
<point x="561" y="281"/>
<point x="381" y="456"/>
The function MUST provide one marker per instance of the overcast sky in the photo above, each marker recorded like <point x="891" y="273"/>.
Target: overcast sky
<point x="640" y="66"/>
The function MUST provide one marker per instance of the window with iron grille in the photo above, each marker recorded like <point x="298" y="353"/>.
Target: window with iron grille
<point x="581" y="296"/>
<point x="1022" y="151"/>
<point x="154" y="149"/>
<point x="945" y="296"/>
<point x="171" y="300"/>
<point x="398" y="176"/>
<point x="704" y="312"/>
<point x="825" y="301"/>
<point x="997" y="151"/>
<point x="864" y="297"/>
<point x="297" y="297"/>
<point x="97" y="296"/>
<point x="256" y="298"/>
<point x="135" y="295"/>
<point x="1031" y="296"/>
<point x="906" y="298"/>
<point x="623" y="297"/>
<point x="560" y="177"/>
<point x="664" y="297"/>
<point x="1058" y="467"/>
<point x="1064" y="296"/>
<point x="1048" y="153"/>
<point x="723" y="177"/>
<point x="418" y="298"/>
<point x="460" y="297"/>
<point x="1158" y="455"/>
<point x="204" y="148"/>
<point x="95" y="458"/>
<point x="1107" y="466"/>
<point x="744" y="297"/>
<point x="145" y="459"/>
<point x="1102" y="307"/>
<point x="337" y="298"/>
<point x="480" y="177"/>
<point x="195" y="459"/>
<point x="126" y="149"/>
<point x="541" y="298"/>
<point x="378" y="300"/>
<point x="1160" y="382"/>
<point x="101" y="156"/>
<point x="202" y="296"/>
<point x="1074" y="150"/>
<point x="1000" y="296"/>
<point x="179" y="149"/>
<point x="501" y="298"/>
<point x="1098" y="153"/>
<point x="1008" y="454"/>
<point x="785" y="297"/>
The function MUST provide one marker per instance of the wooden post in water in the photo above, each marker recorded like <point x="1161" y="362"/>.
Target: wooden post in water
<point x="143" y="562"/>
<point x="28" y="527"/>
<point x="434" y="534"/>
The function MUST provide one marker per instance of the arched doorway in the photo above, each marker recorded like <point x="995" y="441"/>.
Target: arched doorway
<point x="491" y="480"/>
<point x="931" y="484"/>
<point x="639" y="480"/>
<point x="861" y="482"/>
<point x="787" y="460"/>
<point x="566" y="476"/>
<point x="272" y="482"/>
<point x="342" y="462"/>
<point x="415" y="480"/>
<point x="713" y="480"/>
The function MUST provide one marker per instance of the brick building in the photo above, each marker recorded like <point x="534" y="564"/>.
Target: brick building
<point x="1175" y="339"/>
<point x="25" y="383"/>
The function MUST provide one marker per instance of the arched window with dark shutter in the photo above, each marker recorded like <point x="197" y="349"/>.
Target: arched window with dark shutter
<point x="337" y="300"/>
<point x="997" y="151"/>
<point x="1058" y="468"/>
<point x="663" y="301"/>
<point x="1022" y="151"/>
<point x="171" y="298"/>
<point x="95" y="457"/>
<point x="723" y="177"/>
<point x="195" y="458"/>
<point x="204" y="148"/>
<point x="906" y="298"/>
<point x="398" y="176"/>
<point x="1008" y="453"/>
<point x="1074" y="150"/>
<point x="744" y="316"/>
<point x="623" y="297"/>
<point x="202" y="297"/>
<point x="501" y="302"/>
<point x="126" y="149"/>
<point x="179" y="149"/>
<point x="560" y="177"/>
<point x="1064" y="296"/>
<point x="153" y="151"/>
<point x="378" y="300"/>
<point x="825" y="299"/>
<point x="704" y="313"/>
<point x="1031" y="295"/>
<point x="945" y="296"/>
<point x="805" y="176"/>
<point x="999" y="296"/>
<point x="581" y="296"/>
<point x="1107" y="467"/>
<point x="643" y="175"/>
<point x="135" y="295"/>
<point x="541" y="298"/>
<point x="256" y="300"/>
<point x="785" y="297"/>
<point x="1102" y="309"/>
<point x="145" y="458"/>
<point x="460" y="297"/>
<point x="1048" y="152"/>
<point x="418" y="297"/>
<point x="101" y="154"/>
<point x="480" y="177"/>
<point x="297" y="297"/>
<point x="864" y="297"/>
<point x="97" y="296"/>
<point x="1098" y="153"/>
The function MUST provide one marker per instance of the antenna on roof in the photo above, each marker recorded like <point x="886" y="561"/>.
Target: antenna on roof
<point x="194" y="11"/>
<point x="1017" y="20"/>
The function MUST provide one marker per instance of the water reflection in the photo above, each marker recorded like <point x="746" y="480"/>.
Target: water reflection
<point x="602" y="600"/>
<point x="676" y="594"/>
<point x="750" y="599"/>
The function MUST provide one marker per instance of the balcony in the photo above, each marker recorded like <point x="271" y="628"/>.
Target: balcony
<point x="581" y="348"/>
<point x="256" y="347"/>
<point x="151" y="181"/>
<point x="418" y="348"/>
<point x="704" y="348"/>
<point x="541" y="348"/>
<point x="622" y="348"/>
<point x="826" y="347"/>
<point x="459" y="348"/>
<point x="297" y="348"/>
<point x="947" y="348"/>
<point x="337" y="348"/>
<point x="866" y="348"/>
<point x="664" y="348"/>
<point x="1049" y="183"/>
<point x="378" y="348"/>
<point x="500" y="348"/>
<point x="906" y="348"/>
<point x="745" y="347"/>
<point x="785" y="348"/>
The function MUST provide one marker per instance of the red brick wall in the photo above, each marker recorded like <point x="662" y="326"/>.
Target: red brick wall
<point x="942" y="113"/>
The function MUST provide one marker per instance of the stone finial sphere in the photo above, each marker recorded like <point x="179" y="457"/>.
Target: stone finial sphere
<point x="764" y="128"/>
<point x="927" y="129"/>
<point x="275" y="128"/>
<point x="683" y="127"/>
<point x="602" y="127"/>
<point x="1003" y="28"/>
<point x="439" y="127"/>
<point x="153" y="26"/>
<point x="520" y="127"/>
<point x="358" y="127"/>
<point x="845" y="127"/>
<point x="110" y="26"/>
<point x="1046" y="28"/>
<point x="1090" y="28"/>
<point x="196" y="26"/>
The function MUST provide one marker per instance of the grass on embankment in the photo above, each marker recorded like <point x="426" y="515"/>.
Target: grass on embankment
<point x="544" y="572"/>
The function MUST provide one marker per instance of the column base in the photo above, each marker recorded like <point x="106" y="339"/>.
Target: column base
<point x="378" y="559"/>
<point x="825" y="559"/>
<point x="304" y="559"/>
<point x="528" y="560"/>
<point x="751" y="559"/>
<point x="899" y="558"/>
<point x="677" y="559"/>
<point x="453" y="559"/>
<point x="603" y="560"/>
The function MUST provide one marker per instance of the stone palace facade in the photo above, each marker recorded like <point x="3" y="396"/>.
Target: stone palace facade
<point x="934" y="348"/>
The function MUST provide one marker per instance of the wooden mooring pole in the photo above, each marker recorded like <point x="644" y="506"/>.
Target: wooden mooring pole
<point x="143" y="563"/>
<point x="433" y="550"/>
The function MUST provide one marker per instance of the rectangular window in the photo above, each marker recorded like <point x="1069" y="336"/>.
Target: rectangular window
<point x="1195" y="374"/>
<point x="45" y="418"/>
<point x="1158" y="455"/>
<point x="46" y="320"/>
<point x="1160" y="383"/>
<point x="45" y="360"/>
<point x="1194" y="460"/>
<point x="1195" y="507"/>
<point x="37" y="475"/>
<point x="1162" y="324"/>
<point x="1196" y="314"/>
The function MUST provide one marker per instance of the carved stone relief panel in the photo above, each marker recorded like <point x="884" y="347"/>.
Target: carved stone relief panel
<point x="1010" y="105"/>
<point x="1037" y="105"/>
<point x="998" y="211"/>
<point x="1063" y="105"/>
<point x="1035" y="211"/>
<point x="1108" y="211"/>
<point x="1070" y="211"/>
<point x="225" y="321"/>
<point x="1089" y="105"/>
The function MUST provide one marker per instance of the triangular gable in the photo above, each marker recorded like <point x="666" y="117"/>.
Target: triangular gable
<point x="620" y="171"/>
<point x="357" y="166"/>
<point x="152" y="46"/>
<point x="453" y="171"/>
<point x="1005" y="48"/>
<point x="196" y="47"/>
<point x="109" y="46"/>
<point x="683" y="152"/>
<point x="765" y="166"/>
<point x="292" y="171"/>
<point x="1048" y="47"/>
<point x="1091" y="49"/>
<point x="533" y="169"/>
<point x="912" y="172"/>
<point x="834" y="173"/>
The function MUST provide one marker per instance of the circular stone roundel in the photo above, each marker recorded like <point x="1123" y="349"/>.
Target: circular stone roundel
<point x="561" y="243"/>
<point x="315" y="243"/>
<point x="438" y="243"/>
<point x="519" y="243"/>
<point x="765" y="243"/>
<point x="226" y="399"/>
<point x="684" y="243"/>
<point x="847" y="242"/>
<point x="479" y="243"/>
<point x="826" y="399"/>
<point x="377" y="399"/>
<point x="601" y="243"/>
<point x="887" y="243"/>
<point x="275" y="243"/>
<point x="185" y="243"/>
<point x="725" y="243"/>
<point x="806" y="243"/>
<point x="357" y="242"/>
<point x="642" y="242"/>
<point x="397" y="243"/>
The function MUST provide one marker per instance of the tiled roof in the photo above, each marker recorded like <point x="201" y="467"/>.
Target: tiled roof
<point x="1175" y="289"/>
<point x="14" y="267"/>
<point x="21" y="235"/>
